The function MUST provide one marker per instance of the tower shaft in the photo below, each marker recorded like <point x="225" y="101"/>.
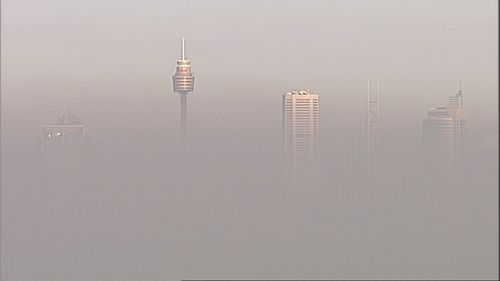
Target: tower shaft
<point x="183" y="117"/>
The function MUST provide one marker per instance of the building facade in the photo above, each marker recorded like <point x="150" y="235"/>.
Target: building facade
<point x="444" y="131"/>
<point x="301" y="137"/>
<point x="64" y="147"/>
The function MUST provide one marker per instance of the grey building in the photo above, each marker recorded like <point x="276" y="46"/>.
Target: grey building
<point x="444" y="131"/>
<point x="64" y="147"/>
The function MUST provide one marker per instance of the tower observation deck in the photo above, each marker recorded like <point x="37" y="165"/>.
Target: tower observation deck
<point x="183" y="78"/>
<point x="183" y="82"/>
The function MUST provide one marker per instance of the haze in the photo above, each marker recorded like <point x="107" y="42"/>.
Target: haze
<point x="142" y="207"/>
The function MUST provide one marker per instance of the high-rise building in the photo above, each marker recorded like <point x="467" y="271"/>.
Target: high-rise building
<point x="444" y="130"/>
<point x="372" y="125"/>
<point x="365" y="155"/>
<point x="301" y="136"/>
<point x="183" y="82"/>
<point x="63" y="150"/>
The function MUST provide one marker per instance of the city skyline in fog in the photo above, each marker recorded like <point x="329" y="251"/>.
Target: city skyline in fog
<point x="145" y="185"/>
<point x="231" y="58"/>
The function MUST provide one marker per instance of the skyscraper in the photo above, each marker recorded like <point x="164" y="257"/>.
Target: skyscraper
<point x="63" y="147"/>
<point x="372" y="125"/>
<point x="444" y="130"/>
<point x="183" y="82"/>
<point x="301" y="136"/>
<point x="364" y="159"/>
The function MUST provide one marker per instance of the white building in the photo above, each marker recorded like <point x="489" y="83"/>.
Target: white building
<point x="301" y="136"/>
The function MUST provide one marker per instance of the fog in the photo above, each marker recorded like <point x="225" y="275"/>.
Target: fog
<point x="136" y="203"/>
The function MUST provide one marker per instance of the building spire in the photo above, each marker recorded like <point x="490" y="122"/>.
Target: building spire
<point x="459" y="87"/>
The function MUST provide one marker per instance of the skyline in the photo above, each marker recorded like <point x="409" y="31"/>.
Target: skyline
<point x="368" y="141"/>
<point x="347" y="77"/>
<point x="173" y="191"/>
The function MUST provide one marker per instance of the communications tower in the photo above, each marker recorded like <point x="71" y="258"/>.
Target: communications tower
<point x="183" y="81"/>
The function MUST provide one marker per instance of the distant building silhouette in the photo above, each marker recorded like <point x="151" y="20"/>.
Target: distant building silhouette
<point x="364" y="161"/>
<point x="444" y="131"/>
<point x="63" y="147"/>
<point x="301" y="136"/>
<point x="372" y="126"/>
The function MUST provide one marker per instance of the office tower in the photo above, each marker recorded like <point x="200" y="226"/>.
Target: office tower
<point x="63" y="150"/>
<point x="366" y="142"/>
<point x="301" y="137"/>
<point x="372" y="133"/>
<point x="183" y="81"/>
<point x="444" y="130"/>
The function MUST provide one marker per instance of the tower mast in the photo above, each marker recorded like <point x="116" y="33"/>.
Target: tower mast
<point x="183" y="82"/>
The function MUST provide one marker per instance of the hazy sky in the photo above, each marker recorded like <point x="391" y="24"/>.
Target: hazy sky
<point x="113" y="60"/>
<point x="110" y="62"/>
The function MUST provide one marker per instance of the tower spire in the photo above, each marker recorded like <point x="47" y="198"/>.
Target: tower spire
<point x="459" y="87"/>
<point x="183" y="49"/>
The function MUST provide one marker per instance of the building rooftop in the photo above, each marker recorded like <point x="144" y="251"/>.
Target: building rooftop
<point x="68" y="118"/>
<point x="300" y="92"/>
